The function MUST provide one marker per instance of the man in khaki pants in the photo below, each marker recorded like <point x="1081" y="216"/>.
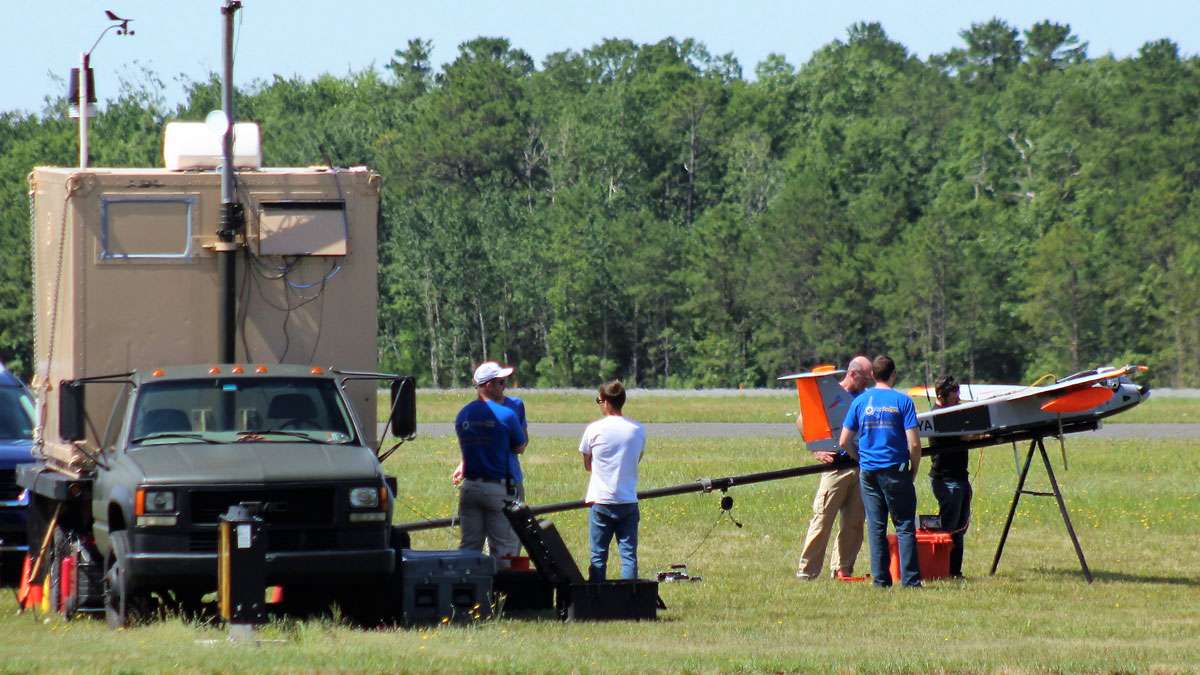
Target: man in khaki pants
<point x="837" y="493"/>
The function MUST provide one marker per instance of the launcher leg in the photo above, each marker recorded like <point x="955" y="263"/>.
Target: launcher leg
<point x="1012" y="509"/>
<point x="1062" y="507"/>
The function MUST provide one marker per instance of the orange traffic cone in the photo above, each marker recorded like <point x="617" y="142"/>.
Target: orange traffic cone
<point x="23" y="587"/>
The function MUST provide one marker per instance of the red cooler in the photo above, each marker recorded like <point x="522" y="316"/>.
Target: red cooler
<point x="933" y="554"/>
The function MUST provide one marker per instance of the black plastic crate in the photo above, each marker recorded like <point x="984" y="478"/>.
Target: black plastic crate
<point x="626" y="599"/>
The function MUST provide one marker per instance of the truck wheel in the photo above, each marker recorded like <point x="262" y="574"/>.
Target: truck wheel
<point x="77" y="578"/>
<point x="61" y="572"/>
<point x="123" y="606"/>
<point x="55" y="555"/>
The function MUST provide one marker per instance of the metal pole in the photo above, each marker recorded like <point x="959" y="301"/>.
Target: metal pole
<point x="227" y="12"/>
<point x="702" y="485"/>
<point x="1012" y="509"/>
<point x="231" y="215"/>
<point x="84" y="58"/>
<point x="722" y="484"/>
<point x="1062" y="508"/>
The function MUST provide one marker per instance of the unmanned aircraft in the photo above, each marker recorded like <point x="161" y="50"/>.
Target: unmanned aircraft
<point x="1000" y="412"/>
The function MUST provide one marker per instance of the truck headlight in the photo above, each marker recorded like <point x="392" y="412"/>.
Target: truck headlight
<point x="160" y="501"/>
<point x="364" y="498"/>
<point x="153" y="501"/>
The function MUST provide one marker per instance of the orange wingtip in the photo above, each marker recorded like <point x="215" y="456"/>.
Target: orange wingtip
<point x="1078" y="401"/>
<point x="824" y="368"/>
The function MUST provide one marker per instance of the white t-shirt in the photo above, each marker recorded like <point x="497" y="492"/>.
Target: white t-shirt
<point x="615" y="444"/>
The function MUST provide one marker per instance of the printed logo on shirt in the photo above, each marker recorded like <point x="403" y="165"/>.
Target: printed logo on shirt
<point x="871" y="409"/>
<point x="486" y="424"/>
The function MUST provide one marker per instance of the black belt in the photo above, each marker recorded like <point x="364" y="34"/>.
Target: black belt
<point x="903" y="466"/>
<point x="486" y="480"/>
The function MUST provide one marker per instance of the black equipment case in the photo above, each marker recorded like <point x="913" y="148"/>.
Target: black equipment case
<point x="453" y="585"/>
<point x="617" y="599"/>
<point x="578" y="599"/>
<point x="522" y="591"/>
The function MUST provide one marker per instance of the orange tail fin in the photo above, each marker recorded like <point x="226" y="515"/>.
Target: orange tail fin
<point x="823" y="405"/>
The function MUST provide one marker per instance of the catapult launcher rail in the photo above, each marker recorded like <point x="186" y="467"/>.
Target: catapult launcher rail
<point x="723" y="484"/>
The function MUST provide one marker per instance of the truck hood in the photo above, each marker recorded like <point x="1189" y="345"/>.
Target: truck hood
<point x="253" y="463"/>
<point x="14" y="452"/>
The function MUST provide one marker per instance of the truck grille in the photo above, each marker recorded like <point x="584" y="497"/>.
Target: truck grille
<point x="282" y="506"/>
<point x="9" y="489"/>
<point x="277" y="540"/>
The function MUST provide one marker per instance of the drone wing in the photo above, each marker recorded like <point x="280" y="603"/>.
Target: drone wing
<point x="1077" y="393"/>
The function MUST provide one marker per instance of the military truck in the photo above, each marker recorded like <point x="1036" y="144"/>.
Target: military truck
<point x="148" y="437"/>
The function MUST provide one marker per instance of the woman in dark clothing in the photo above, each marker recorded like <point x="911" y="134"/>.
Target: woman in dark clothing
<point x="951" y="487"/>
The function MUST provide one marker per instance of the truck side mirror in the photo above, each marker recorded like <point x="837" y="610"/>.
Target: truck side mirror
<point x="70" y="411"/>
<point x="404" y="407"/>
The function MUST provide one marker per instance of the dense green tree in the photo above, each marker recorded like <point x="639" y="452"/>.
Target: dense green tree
<point x="1009" y="208"/>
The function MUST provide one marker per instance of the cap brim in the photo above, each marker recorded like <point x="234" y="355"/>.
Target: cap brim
<point x="503" y="372"/>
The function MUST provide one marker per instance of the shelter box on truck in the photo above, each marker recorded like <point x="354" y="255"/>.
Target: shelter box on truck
<point x="125" y="277"/>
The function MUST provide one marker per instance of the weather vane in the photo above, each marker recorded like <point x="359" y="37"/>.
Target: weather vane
<point x="81" y="92"/>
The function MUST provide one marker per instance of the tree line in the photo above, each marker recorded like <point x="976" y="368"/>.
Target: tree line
<point x="1009" y="208"/>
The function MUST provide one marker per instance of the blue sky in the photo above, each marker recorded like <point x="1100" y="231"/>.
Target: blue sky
<point x="307" y="38"/>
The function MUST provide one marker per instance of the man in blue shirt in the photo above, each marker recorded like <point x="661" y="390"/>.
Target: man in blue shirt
<point x="489" y="434"/>
<point x="888" y="453"/>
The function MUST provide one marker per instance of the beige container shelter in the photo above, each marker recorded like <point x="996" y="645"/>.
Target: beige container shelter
<point x="125" y="278"/>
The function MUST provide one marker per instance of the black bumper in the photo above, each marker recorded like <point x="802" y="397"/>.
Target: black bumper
<point x="284" y="567"/>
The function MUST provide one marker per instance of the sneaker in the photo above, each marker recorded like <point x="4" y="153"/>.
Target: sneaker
<point x="801" y="576"/>
<point x="842" y="576"/>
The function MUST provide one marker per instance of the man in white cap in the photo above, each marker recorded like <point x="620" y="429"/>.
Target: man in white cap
<point x="491" y="433"/>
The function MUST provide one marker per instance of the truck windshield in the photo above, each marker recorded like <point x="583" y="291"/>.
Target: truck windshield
<point x="16" y="414"/>
<point x="283" y="409"/>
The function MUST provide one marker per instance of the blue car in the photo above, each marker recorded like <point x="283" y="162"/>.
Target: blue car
<point x="16" y="447"/>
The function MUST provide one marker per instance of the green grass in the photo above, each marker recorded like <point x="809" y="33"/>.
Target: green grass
<point x="1135" y="504"/>
<point x="544" y="406"/>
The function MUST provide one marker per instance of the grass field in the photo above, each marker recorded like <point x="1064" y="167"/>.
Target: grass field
<point x="1136" y="506"/>
<point x="548" y="406"/>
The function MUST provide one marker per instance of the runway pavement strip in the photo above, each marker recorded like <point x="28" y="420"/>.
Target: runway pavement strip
<point x="761" y="430"/>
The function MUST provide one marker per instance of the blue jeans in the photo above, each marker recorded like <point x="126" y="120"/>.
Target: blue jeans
<point x="954" y="509"/>
<point x="891" y="491"/>
<point x="604" y="521"/>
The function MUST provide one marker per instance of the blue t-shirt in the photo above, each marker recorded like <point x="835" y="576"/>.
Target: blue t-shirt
<point x="514" y="463"/>
<point x="880" y="416"/>
<point x="487" y="433"/>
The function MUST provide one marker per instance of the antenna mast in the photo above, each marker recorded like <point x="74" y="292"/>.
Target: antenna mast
<point x="232" y="217"/>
